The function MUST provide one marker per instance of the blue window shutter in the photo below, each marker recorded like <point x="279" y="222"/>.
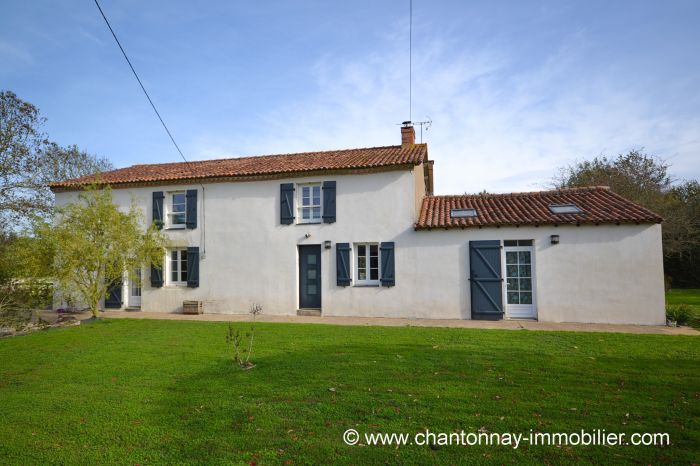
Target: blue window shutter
<point x="113" y="299"/>
<point x="342" y="261"/>
<point x="191" y="209"/>
<point x="158" y="208"/>
<point x="329" y="202"/>
<point x="387" y="257"/>
<point x="287" y="203"/>
<point x="156" y="276"/>
<point x="193" y="267"/>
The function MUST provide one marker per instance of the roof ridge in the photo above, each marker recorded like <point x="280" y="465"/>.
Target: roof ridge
<point x="524" y="193"/>
<point x="260" y="165"/>
<point x="282" y="154"/>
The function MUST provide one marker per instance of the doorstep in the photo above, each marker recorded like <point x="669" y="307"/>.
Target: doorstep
<point x="309" y="312"/>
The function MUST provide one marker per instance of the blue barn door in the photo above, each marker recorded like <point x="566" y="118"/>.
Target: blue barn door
<point x="486" y="280"/>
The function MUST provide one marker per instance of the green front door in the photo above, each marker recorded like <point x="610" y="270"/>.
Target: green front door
<point x="310" y="277"/>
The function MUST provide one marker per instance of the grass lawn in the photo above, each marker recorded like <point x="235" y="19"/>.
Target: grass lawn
<point x="145" y="392"/>
<point x="689" y="296"/>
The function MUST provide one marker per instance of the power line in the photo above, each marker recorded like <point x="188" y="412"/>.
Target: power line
<point x="187" y="162"/>
<point x="140" y="83"/>
<point x="410" y="59"/>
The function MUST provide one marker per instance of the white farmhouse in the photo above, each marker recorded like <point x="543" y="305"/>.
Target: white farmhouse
<point x="358" y="232"/>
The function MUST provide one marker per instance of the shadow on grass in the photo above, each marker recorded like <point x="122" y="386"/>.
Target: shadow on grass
<point x="296" y="405"/>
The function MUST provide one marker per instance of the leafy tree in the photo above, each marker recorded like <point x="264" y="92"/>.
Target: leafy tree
<point x="93" y="244"/>
<point x="644" y="179"/>
<point x="636" y="176"/>
<point x="29" y="161"/>
<point x="9" y="260"/>
<point x="684" y="266"/>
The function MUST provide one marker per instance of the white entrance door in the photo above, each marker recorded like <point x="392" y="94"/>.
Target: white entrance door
<point x="520" y="280"/>
<point x="135" y="290"/>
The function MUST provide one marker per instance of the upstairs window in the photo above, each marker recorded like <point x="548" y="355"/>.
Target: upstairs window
<point x="367" y="264"/>
<point x="565" y="209"/>
<point x="309" y="204"/>
<point x="177" y="205"/>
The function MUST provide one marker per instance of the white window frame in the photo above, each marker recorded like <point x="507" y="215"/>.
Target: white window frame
<point x="520" y="311"/>
<point x="169" y="267"/>
<point x="356" y="265"/>
<point x="136" y="284"/>
<point x="300" y="203"/>
<point x="170" y="212"/>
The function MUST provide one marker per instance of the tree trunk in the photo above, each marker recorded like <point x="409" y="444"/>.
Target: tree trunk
<point x="95" y="308"/>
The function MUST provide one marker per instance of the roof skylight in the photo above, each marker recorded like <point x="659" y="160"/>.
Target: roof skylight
<point x="463" y="213"/>
<point x="565" y="209"/>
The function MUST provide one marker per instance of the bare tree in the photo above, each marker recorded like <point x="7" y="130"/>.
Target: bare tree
<point x="29" y="161"/>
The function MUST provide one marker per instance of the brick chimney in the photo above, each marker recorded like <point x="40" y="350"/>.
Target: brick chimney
<point x="408" y="135"/>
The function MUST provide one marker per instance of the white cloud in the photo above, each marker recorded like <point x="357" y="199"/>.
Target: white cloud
<point x="85" y="34"/>
<point x="495" y="127"/>
<point x="13" y="52"/>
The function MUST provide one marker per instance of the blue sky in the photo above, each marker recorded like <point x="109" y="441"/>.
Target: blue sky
<point x="514" y="89"/>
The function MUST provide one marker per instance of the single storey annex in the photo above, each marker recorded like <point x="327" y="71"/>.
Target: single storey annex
<point x="359" y="232"/>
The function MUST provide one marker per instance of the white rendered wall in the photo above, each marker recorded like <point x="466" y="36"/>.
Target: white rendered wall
<point x="250" y="257"/>
<point x="605" y="273"/>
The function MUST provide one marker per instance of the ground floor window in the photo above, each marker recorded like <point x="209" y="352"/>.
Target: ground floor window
<point x="177" y="267"/>
<point x="519" y="276"/>
<point x="517" y="242"/>
<point x="520" y="279"/>
<point x="367" y="264"/>
<point x="136" y="283"/>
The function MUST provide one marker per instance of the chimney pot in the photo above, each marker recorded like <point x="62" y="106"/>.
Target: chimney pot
<point x="408" y="135"/>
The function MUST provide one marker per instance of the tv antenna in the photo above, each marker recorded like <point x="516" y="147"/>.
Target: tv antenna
<point x="427" y="123"/>
<point x="410" y="60"/>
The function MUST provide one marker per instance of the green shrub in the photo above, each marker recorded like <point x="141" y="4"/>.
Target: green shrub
<point x="12" y="313"/>
<point x="679" y="313"/>
<point x="29" y="292"/>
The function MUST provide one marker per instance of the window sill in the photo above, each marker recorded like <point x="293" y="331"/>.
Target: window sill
<point x="176" y="227"/>
<point x="313" y="222"/>
<point x="366" y="285"/>
<point x="175" y="286"/>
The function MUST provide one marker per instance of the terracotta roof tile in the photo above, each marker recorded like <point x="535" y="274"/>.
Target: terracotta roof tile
<point x="265" y="165"/>
<point x="598" y="204"/>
